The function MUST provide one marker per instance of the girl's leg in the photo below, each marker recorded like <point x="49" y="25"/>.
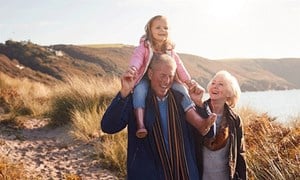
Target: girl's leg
<point x="186" y="102"/>
<point x="139" y="98"/>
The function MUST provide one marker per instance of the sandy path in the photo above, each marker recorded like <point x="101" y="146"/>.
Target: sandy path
<point x="46" y="154"/>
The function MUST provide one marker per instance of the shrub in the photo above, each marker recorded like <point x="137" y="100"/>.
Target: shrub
<point x="78" y="103"/>
<point x="10" y="170"/>
<point x="272" y="150"/>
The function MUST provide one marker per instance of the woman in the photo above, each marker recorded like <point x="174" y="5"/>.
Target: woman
<point x="223" y="155"/>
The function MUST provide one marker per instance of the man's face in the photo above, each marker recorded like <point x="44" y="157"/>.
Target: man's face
<point x="161" y="78"/>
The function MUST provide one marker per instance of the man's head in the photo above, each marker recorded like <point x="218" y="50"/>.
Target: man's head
<point x="161" y="73"/>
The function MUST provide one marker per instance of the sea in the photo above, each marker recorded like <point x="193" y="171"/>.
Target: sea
<point x="283" y="105"/>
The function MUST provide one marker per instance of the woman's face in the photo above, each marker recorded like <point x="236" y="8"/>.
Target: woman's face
<point x="219" y="90"/>
<point x="160" y="29"/>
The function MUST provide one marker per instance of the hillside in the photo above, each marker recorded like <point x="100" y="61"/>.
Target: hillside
<point x="49" y="64"/>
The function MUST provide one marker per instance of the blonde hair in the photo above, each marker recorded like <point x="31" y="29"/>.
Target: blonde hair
<point x="167" y="45"/>
<point x="232" y="85"/>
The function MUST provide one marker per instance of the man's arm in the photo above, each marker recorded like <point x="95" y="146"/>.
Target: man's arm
<point x="116" y="115"/>
<point x="118" y="112"/>
<point x="201" y="121"/>
<point x="127" y="82"/>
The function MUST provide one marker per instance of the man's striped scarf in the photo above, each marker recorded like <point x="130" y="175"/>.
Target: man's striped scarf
<point x="174" y="163"/>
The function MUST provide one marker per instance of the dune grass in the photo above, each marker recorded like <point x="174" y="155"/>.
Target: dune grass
<point x="112" y="152"/>
<point x="273" y="149"/>
<point x="79" y="101"/>
<point x="23" y="97"/>
<point x="11" y="170"/>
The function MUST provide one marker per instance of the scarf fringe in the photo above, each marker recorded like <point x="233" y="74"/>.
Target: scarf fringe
<point x="174" y="162"/>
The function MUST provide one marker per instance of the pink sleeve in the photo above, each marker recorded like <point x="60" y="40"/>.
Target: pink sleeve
<point x="182" y="73"/>
<point x="138" y="57"/>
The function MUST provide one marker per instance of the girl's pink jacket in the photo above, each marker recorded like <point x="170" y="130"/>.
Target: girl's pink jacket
<point x="142" y="56"/>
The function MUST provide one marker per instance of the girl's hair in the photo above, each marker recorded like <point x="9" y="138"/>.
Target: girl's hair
<point x="232" y="85"/>
<point x="167" y="45"/>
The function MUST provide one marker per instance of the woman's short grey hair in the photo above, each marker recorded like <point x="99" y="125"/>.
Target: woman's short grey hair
<point x="232" y="85"/>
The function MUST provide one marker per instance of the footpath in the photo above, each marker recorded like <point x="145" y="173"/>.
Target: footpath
<point x="47" y="153"/>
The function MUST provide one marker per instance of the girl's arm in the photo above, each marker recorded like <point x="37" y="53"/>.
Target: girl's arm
<point x="182" y="73"/>
<point x="139" y="61"/>
<point x="137" y="58"/>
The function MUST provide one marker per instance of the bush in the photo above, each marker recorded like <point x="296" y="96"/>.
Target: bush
<point x="272" y="150"/>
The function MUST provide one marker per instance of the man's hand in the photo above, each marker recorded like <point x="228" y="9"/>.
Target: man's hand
<point x="196" y="92"/>
<point x="127" y="81"/>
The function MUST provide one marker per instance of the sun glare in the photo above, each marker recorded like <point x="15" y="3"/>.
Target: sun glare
<point x="221" y="9"/>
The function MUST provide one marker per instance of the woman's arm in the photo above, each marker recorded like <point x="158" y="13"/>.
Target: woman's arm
<point x="241" y="168"/>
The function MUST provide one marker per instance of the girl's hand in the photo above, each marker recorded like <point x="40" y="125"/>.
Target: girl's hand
<point x="196" y="92"/>
<point x="189" y="83"/>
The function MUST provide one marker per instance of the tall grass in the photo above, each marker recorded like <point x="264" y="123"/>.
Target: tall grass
<point x="24" y="97"/>
<point x="112" y="150"/>
<point x="11" y="170"/>
<point x="273" y="149"/>
<point x="78" y="102"/>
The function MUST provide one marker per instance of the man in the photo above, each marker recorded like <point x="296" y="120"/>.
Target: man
<point x="168" y="152"/>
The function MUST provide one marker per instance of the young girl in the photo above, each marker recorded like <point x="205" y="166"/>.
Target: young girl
<point x="155" y="40"/>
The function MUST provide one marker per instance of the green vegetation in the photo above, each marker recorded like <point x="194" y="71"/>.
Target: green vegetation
<point x="273" y="150"/>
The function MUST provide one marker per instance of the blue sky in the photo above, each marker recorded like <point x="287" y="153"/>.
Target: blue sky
<point x="213" y="29"/>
